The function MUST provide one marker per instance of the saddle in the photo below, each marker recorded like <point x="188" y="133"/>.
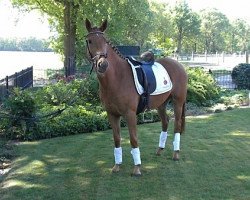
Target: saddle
<point x="145" y="71"/>
<point x="145" y="77"/>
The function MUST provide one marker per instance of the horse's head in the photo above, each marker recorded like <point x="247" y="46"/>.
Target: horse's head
<point x="97" y="46"/>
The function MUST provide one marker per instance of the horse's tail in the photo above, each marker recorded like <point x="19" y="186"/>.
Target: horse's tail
<point x="183" y="115"/>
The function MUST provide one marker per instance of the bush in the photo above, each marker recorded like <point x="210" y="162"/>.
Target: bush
<point x="241" y="76"/>
<point x="81" y="116"/>
<point x="78" y="91"/>
<point x="20" y="108"/>
<point x="202" y="88"/>
<point x="25" y="110"/>
<point x="234" y="97"/>
<point x="74" y="120"/>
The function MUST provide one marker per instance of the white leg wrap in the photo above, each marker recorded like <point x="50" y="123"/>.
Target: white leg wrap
<point x="163" y="139"/>
<point x="136" y="156"/>
<point x="118" y="155"/>
<point x="177" y="140"/>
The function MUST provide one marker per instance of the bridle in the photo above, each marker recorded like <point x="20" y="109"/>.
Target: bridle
<point x="95" y="58"/>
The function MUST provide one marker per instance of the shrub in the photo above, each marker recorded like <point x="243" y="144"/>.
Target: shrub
<point x="241" y="76"/>
<point x="74" y="120"/>
<point x="24" y="109"/>
<point x="234" y="97"/>
<point x="202" y="88"/>
<point x="20" y="108"/>
<point x="81" y="116"/>
<point x="78" y="91"/>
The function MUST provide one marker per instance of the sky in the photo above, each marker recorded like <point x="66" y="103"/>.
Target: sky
<point x="14" y="24"/>
<point x="23" y="25"/>
<point x="233" y="9"/>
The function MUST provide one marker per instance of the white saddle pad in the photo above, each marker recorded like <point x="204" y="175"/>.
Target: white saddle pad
<point x="163" y="82"/>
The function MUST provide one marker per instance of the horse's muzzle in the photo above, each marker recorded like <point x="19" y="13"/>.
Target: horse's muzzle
<point x="102" y="65"/>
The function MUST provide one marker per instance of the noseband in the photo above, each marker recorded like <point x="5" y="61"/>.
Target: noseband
<point x="94" y="58"/>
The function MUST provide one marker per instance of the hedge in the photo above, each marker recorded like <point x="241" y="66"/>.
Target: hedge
<point x="81" y="116"/>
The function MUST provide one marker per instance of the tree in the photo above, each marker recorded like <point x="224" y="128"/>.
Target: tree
<point x="185" y="22"/>
<point x="160" y="36"/>
<point x="241" y="35"/>
<point x="127" y="23"/>
<point x="61" y="11"/>
<point x="214" y="26"/>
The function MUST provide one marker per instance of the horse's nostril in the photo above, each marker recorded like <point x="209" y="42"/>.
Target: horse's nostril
<point x="102" y="65"/>
<point x="99" y="64"/>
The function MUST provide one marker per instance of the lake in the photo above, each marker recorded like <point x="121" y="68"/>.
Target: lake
<point x="15" y="61"/>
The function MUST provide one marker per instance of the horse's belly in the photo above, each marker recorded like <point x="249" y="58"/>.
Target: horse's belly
<point x="157" y="100"/>
<point x="121" y="104"/>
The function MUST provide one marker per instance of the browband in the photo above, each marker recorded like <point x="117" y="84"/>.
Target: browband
<point x="94" y="32"/>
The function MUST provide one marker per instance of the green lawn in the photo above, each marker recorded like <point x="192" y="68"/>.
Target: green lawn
<point x="214" y="164"/>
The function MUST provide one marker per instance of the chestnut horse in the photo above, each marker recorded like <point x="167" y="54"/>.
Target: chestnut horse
<point x="120" y="98"/>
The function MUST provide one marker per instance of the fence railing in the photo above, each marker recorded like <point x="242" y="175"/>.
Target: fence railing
<point x="22" y="79"/>
<point x="212" y="61"/>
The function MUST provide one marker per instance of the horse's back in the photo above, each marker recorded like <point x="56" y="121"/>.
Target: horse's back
<point x="175" y="69"/>
<point x="177" y="75"/>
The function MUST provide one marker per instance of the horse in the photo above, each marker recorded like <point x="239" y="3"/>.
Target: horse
<point x="120" y="99"/>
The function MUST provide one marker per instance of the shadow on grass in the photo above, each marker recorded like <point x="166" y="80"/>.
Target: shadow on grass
<point x="214" y="164"/>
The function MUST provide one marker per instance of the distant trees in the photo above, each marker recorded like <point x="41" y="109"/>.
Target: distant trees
<point x="30" y="44"/>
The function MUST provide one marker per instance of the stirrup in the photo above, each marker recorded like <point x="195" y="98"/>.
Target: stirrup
<point x="147" y="119"/>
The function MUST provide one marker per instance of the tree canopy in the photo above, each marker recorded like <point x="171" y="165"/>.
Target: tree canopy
<point x="149" y="24"/>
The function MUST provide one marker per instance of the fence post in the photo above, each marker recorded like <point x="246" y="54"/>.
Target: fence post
<point x="223" y="57"/>
<point x="23" y="72"/>
<point x="206" y="56"/>
<point x="249" y="98"/>
<point x="7" y="86"/>
<point x="32" y="79"/>
<point x="247" y="57"/>
<point x="217" y="58"/>
<point x="192" y="56"/>
<point x="15" y="79"/>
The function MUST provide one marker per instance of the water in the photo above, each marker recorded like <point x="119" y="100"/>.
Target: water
<point x="15" y="61"/>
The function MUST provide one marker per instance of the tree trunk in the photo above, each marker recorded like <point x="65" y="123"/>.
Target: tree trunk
<point x="179" y="42"/>
<point x="69" y="38"/>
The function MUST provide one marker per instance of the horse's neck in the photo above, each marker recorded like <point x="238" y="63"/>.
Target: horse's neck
<point x="117" y="71"/>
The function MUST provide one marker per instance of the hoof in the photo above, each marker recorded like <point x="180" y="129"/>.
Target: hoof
<point x="136" y="175"/>
<point x="176" y="156"/>
<point x="158" y="152"/>
<point x="116" y="168"/>
<point x="136" y="172"/>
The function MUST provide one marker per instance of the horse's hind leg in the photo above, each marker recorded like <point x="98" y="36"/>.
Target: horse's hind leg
<point x="179" y="112"/>
<point x="164" y="122"/>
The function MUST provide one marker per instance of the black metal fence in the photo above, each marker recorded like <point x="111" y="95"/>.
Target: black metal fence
<point x="22" y="79"/>
<point x="224" y="79"/>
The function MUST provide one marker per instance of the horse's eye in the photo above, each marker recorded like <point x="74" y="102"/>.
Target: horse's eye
<point x="89" y="41"/>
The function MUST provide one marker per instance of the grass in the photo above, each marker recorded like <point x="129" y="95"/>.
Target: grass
<point x="214" y="164"/>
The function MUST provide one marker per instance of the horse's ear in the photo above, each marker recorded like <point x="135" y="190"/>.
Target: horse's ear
<point x="104" y="25"/>
<point x="88" y="25"/>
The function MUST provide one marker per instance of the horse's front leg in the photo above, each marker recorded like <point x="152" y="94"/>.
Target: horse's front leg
<point x="132" y="121"/>
<point x="115" y="124"/>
